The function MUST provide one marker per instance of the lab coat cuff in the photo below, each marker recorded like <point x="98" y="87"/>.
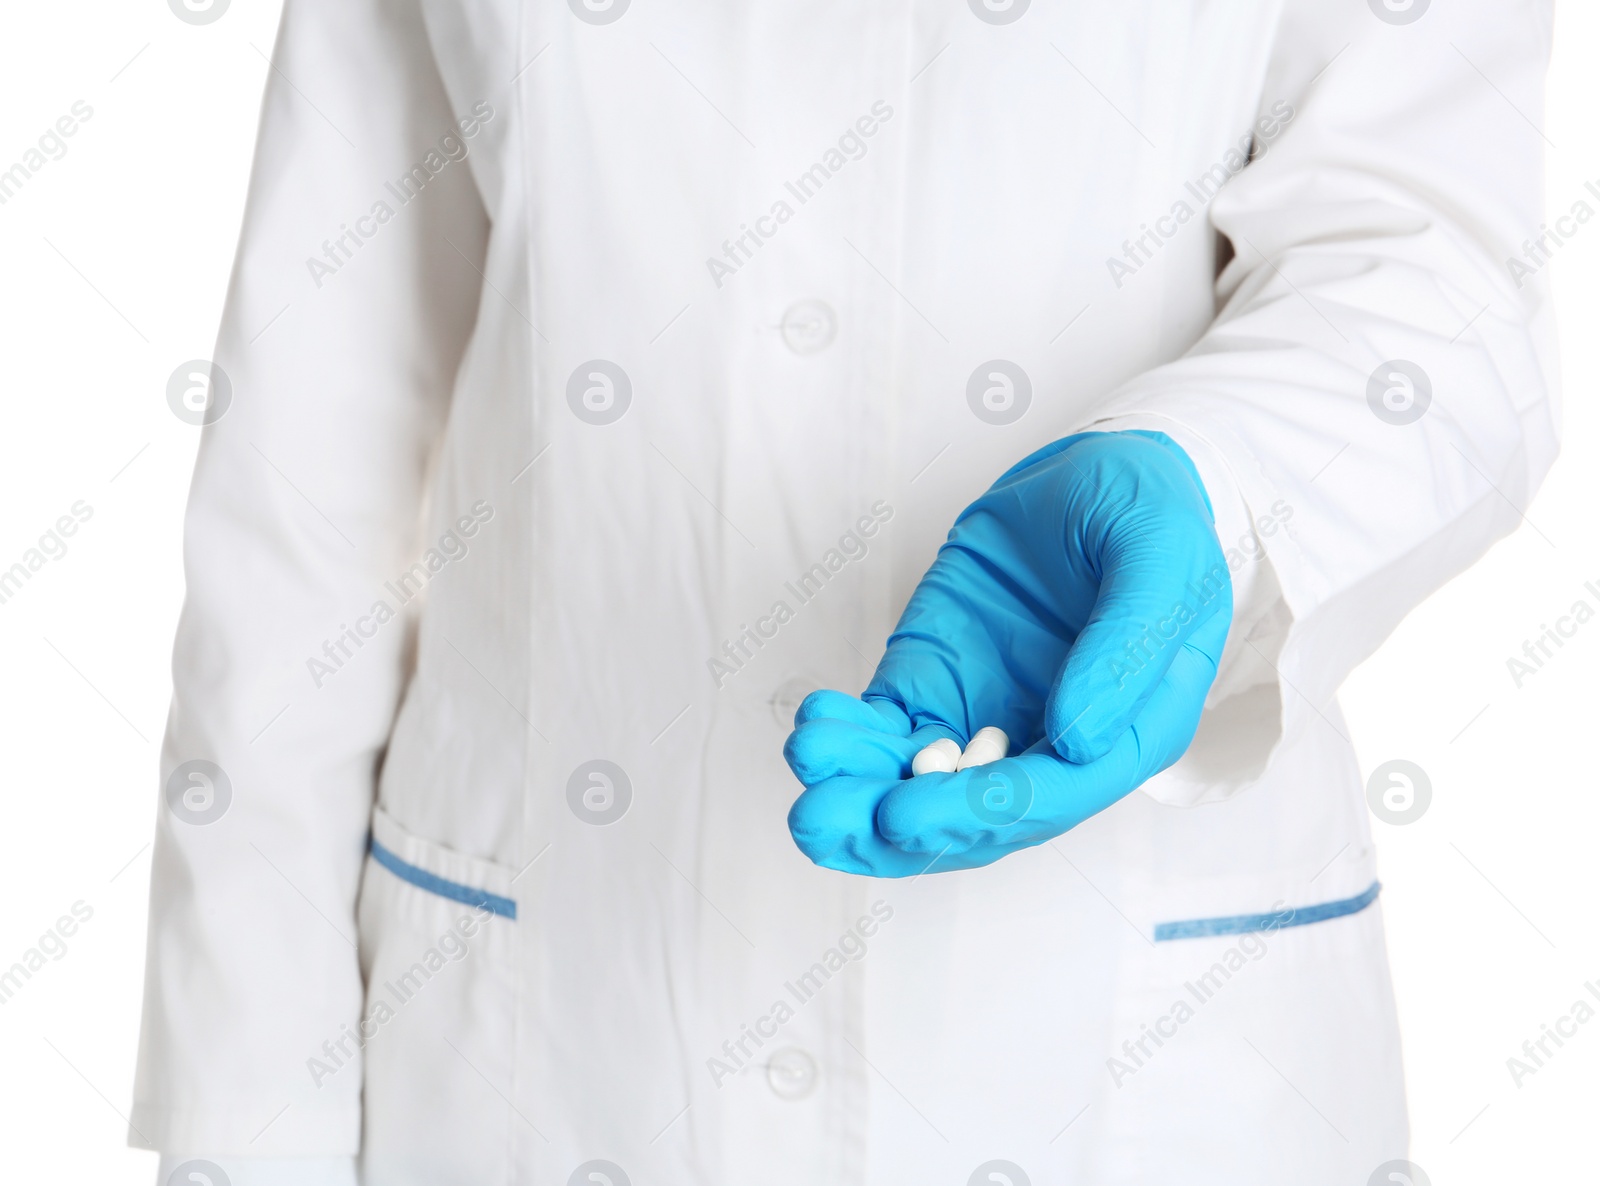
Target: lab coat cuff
<point x="249" y="1128"/>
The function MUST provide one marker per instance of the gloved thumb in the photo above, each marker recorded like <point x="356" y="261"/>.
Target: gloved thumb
<point x="1164" y="578"/>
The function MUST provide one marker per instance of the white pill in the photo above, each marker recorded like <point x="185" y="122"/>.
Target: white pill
<point x="939" y="758"/>
<point x="987" y="745"/>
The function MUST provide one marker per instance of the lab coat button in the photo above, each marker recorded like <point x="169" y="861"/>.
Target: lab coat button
<point x="791" y="1073"/>
<point x="809" y="326"/>
<point x="786" y="699"/>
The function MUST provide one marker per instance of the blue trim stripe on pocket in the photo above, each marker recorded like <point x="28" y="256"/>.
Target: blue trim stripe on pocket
<point x="454" y="890"/>
<point x="1290" y="916"/>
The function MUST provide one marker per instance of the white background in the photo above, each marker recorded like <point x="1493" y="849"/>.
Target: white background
<point x="113" y="264"/>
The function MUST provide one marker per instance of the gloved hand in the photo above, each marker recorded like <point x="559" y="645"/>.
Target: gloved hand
<point x="1081" y="605"/>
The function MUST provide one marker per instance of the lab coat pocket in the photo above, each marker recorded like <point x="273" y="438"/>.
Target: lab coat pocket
<point x="438" y="930"/>
<point x="1270" y="1001"/>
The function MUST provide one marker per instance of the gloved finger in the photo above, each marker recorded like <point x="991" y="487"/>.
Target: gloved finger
<point x="944" y="667"/>
<point x="1026" y="800"/>
<point x="928" y="734"/>
<point x="829" y="815"/>
<point x="894" y="714"/>
<point x="1009" y="805"/>
<point x="832" y="823"/>
<point x="1163" y="578"/>
<point x="920" y="672"/>
<point x="826" y="747"/>
<point x="841" y="706"/>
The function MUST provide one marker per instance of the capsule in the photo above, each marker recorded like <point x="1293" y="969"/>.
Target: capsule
<point x="987" y="745"/>
<point x="938" y="758"/>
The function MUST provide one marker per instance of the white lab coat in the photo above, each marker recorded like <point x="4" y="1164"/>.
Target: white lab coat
<point x="780" y="238"/>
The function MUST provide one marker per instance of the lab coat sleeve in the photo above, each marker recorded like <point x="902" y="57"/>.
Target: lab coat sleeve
<point x="1378" y="225"/>
<point x="346" y="319"/>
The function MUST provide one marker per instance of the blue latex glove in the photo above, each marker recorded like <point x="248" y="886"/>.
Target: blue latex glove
<point x="1081" y="604"/>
